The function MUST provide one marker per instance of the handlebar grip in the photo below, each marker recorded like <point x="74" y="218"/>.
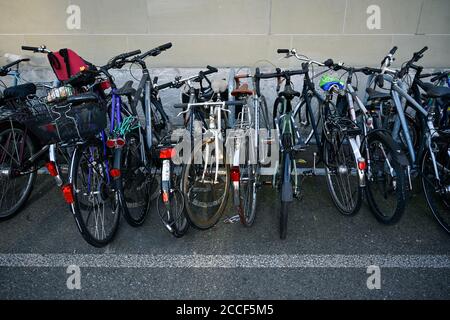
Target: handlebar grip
<point x="27" y="48"/>
<point x="257" y="82"/>
<point x="393" y="50"/>
<point x="423" y="50"/>
<point x="329" y="63"/>
<point x="164" y="86"/>
<point x="180" y="105"/>
<point x="212" y="69"/>
<point x="165" y="46"/>
<point x="283" y="51"/>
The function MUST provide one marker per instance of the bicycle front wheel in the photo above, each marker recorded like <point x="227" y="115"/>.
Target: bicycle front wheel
<point x="341" y="173"/>
<point x="96" y="205"/>
<point x="137" y="183"/>
<point x="15" y="186"/>
<point x="205" y="188"/>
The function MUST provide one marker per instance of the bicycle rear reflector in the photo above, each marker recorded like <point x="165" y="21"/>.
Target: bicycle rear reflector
<point x="115" y="173"/>
<point x="105" y="85"/>
<point x="51" y="167"/>
<point x="235" y="174"/>
<point x="362" y="165"/>
<point x="115" y="143"/>
<point x="67" y="191"/>
<point x="167" y="153"/>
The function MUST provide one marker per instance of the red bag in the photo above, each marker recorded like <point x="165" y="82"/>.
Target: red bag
<point x="66" y="63"/>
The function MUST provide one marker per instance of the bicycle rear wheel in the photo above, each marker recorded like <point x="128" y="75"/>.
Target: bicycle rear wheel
<point x="247" y="190"/>
<point x="137" y="183"/>
<point x="15" y="187"/>
<point x="96" y="205"/>
<point x="385" y="181"/>
<point x="205" y="197"/>
<point x="341" y="173"/>
<point x="286" y="194"/>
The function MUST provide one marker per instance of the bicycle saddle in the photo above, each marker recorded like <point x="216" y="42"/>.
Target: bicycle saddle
<point x="127" y="89"/>
<point x="377" y="95"/>
<point x="242" y="90"/>
<point x="19" y="92"/>
<point x="437" y="92"/>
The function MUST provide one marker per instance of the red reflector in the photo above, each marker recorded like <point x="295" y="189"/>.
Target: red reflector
<point x="167" y="153"/>
<point x="362" y="165"/>
<point x="115" y="173"/>
<point x="235" y="174"/>
<point x="111" y="143"/>
<point x="120" y="142"/>
<point x="165" y="197"/>
<point x="67" y="191"/>
<point x="51" y="167"/>
<point x="105" y="85"/>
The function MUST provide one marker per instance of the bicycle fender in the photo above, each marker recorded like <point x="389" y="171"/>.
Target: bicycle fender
<point x="399" y="157"/>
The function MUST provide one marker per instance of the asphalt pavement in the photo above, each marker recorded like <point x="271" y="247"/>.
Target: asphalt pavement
<point x="325" y="256"/>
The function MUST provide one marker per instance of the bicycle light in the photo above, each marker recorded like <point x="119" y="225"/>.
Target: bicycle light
<point x="115" y="173"/>
<point x="51" y="167"/>
<point x="235" y="174"/>
<point x="167" y="153"/>
<point x="362" y="165"/>
<point x="105" y="85"/>
<point x="115" y="143"/>
<point x="67" y="191"/>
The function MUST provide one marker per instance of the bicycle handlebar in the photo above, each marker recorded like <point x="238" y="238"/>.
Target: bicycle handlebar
<point x="41" y="49"/>
<point x="9" y="65"/>
<point x="156" y="51"/>
<point x="179" y="82"/>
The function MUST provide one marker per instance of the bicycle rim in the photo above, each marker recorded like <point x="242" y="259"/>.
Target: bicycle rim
<point x="96" y="204"/>
<point x="15" y="188"/>
<point x="341" y="174"/>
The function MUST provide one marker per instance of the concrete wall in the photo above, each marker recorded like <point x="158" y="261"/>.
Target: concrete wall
<point x="231" y="32"/>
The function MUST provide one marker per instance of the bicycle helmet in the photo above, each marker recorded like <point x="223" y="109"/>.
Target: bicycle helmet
<point x="327" y="82"/>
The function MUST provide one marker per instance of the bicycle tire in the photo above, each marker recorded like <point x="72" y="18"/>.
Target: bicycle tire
<point x="190" y="171"/>
<point x="355" y="200"/>
<point x="428" y="184"/>
<point x="397" y="186"/>
<point x="29" y="148"/>
<point x="81" y="164"/>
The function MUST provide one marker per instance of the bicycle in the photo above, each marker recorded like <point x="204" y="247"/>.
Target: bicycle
<point x="385" y="186"/>
<point x="19" y="145"/>
<point x="431" y="159"/>
<point x="251" y="132"/>
<point x="337" y="137"/>
<point x="290" y="147"/>
<point x="205" y="178"/>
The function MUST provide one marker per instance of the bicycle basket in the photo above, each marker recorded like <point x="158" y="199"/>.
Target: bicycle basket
<point x="77" y="118"/>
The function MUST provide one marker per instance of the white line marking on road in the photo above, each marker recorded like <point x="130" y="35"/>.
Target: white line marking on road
<point x="223" y="261"/>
